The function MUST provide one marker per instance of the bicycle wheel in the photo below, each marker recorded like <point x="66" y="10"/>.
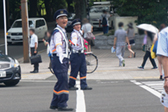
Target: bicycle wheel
<point x="51" y="70"/>
<point x="91" y="62"/>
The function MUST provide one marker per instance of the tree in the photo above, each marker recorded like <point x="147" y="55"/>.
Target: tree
<point x="148" y="11"/>
<point x="33" y="8"/>
<point x="80" y="9"/>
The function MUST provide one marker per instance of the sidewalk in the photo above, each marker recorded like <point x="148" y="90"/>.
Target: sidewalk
<point x="108" y="68"/>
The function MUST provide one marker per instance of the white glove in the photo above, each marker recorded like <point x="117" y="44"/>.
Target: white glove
<point x="61" y="59"/>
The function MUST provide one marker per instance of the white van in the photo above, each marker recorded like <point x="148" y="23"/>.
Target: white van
<point x="15" y="32"/>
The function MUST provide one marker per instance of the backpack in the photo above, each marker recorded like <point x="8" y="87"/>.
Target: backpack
<point x="104" y="21"/>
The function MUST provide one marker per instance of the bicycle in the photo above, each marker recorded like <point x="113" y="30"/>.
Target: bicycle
<point x="91" y="62"/>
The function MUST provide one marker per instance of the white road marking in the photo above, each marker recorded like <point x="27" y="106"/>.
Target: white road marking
<point x="149" y="87"/>
<point x="80" y="99"/>
<point x="154" y="92"/>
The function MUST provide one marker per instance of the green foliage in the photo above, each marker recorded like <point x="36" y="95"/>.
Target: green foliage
<point x="148" y="11"/>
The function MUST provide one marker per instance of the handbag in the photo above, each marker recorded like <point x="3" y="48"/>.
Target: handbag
<point x="36" y="59"/>
<point x="90" y="35"/>
<point x="143" y="48"/>
<point x="153" y="54"/>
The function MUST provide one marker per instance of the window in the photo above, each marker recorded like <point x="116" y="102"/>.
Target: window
<point x="40" y="23"/>
<point x="18" y="24"/>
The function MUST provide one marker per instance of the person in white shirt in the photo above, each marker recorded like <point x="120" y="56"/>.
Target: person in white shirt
<point x="77" y="59"/>
<point x="87" y="27"/>
<point x="104" y="20"/>
<point x="33" y="48"/>
<point x="60" y="62"/>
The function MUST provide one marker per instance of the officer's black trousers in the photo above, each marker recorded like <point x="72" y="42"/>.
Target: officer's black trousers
<point x="61" y="93"/>
<point x="78" y="64"/>
<point x="36" y="65"/>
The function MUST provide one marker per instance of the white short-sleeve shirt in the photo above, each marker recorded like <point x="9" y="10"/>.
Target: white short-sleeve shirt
<point x="86" y="28"/>
<point x="162" y="47"/>
<point x="106" y="16"/>
<point x="33" y="40"/>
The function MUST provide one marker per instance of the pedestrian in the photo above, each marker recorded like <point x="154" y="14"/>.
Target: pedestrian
<point x="131" y="35"/>
<point x="60" y="62"/>
<point x="47" y="43"/>
<point x="77" y="58"/>
<point x="162" y="26"/>
<point x="104" y="20"/>
<point x="87" y="27"/>
<point x="162" y="54"/>
<point x="147" y="55"/>
<point x="120" y="40"/>
<point x="33" y="48"/>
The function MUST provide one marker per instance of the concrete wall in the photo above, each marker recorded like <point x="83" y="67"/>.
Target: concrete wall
<point x="106" y="42"/>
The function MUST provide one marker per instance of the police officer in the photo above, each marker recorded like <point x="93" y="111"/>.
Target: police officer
<point x="59" y="49"/>
<point x="33" y="48"/>
<point x="78" y="62"/>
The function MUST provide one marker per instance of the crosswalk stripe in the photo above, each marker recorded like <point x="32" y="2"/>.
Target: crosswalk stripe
<point x="154" y="87"/>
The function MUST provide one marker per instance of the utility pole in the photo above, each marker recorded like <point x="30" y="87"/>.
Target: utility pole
<point x="24" y="12"/>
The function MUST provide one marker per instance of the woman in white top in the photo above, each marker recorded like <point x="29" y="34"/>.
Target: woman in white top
<point x="87" y="27"/>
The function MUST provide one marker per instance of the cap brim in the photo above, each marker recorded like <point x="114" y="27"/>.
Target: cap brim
<point x="61" y="15"/>
<point x="76" y="23"/>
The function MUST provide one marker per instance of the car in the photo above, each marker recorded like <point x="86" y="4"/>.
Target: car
<point x="14" y="34"/>
<point x="10" y="70"/>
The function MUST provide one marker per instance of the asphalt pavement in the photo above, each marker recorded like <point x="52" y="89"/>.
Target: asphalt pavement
<point x="106" y="96"/>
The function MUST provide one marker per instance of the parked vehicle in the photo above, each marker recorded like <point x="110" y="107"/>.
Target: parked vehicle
<point x="96" y="11"/>
<point x="15" y="32"/>
<point x="10" y="71"/>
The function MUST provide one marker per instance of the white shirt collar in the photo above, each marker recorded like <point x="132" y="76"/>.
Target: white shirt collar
<point x="62" y="28"/>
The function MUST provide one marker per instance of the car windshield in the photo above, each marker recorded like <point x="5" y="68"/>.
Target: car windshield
<point x="18" y="24"/>
<point x="4" y="57"/>
<point x="99" y="9"/>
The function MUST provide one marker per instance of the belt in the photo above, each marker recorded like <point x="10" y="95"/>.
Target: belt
<point x="64" y="55"/>
<point x="79" y="51"/>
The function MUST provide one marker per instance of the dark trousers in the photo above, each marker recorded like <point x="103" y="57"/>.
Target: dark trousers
<point x="78" y="64"/>
<point x="60" y="92"/>
<point x="146" y="56"/>
<point x="36" y="65"/>
<point x="105" y="29"/>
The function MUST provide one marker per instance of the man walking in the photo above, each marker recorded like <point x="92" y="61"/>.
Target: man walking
<point x="60" y="63"/>
<point x="78" y="62"/>
<point x="104" y="20"/>
<point x="33" y="48"/>
<point x="120" y="40"/>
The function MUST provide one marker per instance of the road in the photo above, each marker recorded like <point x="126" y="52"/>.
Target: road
<point x="106" y="96"/>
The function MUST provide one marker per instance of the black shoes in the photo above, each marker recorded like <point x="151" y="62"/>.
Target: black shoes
<point x="53" y="107"/>
<point x="161" y="78"/>
<point x="134" y="54"/>
<point x="73" y="88"/>
<point x="35" y="71"/>
<point x="86" y="88"/>
<point x="155" y="67"/>
<point x="64" y="109"/>
<point x="61" y="108"/>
